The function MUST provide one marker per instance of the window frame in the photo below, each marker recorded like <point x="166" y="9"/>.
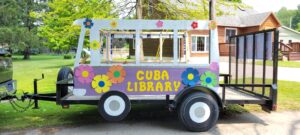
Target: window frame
<point x="206" y="37"/>
<point x="227" y="28"/>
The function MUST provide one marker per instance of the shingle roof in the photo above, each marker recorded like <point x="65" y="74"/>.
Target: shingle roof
<point x="243" y="20"/>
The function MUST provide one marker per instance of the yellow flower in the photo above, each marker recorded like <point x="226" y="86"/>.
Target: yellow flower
<point x="95" y="45"/>
<point x="114" y="24"/>
<point x="101" y="83"/>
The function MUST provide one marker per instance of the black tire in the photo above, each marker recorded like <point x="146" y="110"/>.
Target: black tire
<point x="64" y="73"/>
<point x="198" y="123"/>
<point x="121" y="102"/>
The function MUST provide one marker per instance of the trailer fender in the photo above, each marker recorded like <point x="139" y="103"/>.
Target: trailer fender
<point x="189" y="90"/>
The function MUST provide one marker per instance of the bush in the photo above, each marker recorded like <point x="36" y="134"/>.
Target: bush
<point x="68" y="56"/>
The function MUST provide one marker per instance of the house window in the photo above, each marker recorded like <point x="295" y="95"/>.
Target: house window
<point x="200" y="44"/>
<point x="230" y="32"/>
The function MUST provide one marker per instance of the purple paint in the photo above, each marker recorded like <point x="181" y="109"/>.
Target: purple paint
<point x="135" y="80"/>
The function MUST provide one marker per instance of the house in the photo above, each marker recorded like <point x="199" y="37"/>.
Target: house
<point x="287" y="34"/>
<point x="289" y="43"/>
<point x="244" y="21"/>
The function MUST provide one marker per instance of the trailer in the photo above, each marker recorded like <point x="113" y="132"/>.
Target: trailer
<point x="191" y="90"/>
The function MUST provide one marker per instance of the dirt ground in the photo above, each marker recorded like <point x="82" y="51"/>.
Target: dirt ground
<point x="154" y="123"/>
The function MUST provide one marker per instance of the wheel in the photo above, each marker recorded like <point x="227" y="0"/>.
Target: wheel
<point x="65" y="73"/>
<point x="198" y="112"/>
<point x="114" y="106"/>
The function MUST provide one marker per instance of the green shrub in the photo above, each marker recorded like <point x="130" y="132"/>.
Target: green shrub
<point x="68" y="56"/>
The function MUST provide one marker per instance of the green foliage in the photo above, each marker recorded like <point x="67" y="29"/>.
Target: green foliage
<point x="17" y="29"/>
<point x="289" y="17"/>
<point x="9" y="13"/>
<point x="68" y="56"/>
<point x="186" y="9"/>
<point x="296" y="19"/>
<point x="58" y="30"/>
<point x="18" y="38"/>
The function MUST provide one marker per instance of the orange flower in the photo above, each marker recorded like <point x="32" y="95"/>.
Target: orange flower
<point x="116" y="74"/>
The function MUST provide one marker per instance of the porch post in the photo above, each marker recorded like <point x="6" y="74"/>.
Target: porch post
<point x="175" y="46"/>
<point x="187" y="51"/>
<point x="160" y="47"/>
<point x="137" y="46"/>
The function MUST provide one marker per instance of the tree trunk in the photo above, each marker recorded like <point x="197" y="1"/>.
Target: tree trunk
<point x="26" y="53"/>
<point x="139" y="15"/>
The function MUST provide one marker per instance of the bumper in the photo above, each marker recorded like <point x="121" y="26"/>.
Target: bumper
<point x="8" y="87"/>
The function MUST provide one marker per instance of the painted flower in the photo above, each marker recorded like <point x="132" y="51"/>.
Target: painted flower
<point x="84" y="73"/>
<point x="114" y="24"/>
<point x="214" y="66"/>
<point x="212" y="25"/>
<point x="88" y="23"/>
<point x="208" y="79"/>
<point x="95" y="45"/>
<point x="159" y="24"/>
<point x="116" y="74"/>
<point x="194" y="25"/>
<point x="101" y="83"/>
<point x="190" y="76"/>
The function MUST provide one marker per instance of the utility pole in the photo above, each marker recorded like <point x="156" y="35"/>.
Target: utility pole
<point x="139" y="15"/>
<point x="212" y="16"/>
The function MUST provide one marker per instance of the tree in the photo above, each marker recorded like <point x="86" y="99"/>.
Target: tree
<point x="285" y="16"/>
<point x="178" y="9"/>
<point x="57" y="26"/>
<point x="296" y="18"/>
<point x="17" y="26"/>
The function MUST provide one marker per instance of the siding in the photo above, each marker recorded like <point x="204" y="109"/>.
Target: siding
<point x="269" y="23"/>
<point x="196" y="32"/>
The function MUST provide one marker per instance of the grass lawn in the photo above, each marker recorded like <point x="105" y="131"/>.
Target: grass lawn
<point x="50" y="114"/>
<point x="292" y="64"/>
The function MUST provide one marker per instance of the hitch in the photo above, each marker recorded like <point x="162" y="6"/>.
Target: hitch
<point x="35" y="92"/>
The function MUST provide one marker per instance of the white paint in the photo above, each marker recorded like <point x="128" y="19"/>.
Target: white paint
<point x="108" y="103"/>
<point x="137" y="47"/>
<point x="95" y="54"/>
<point x="146" y="24"/>
<point x="199" y="112"/>
<point x="79" y="47"/>
<point x="214" y="46"/>
<point x="175" y="47"/>
<point x="79" y="92"/>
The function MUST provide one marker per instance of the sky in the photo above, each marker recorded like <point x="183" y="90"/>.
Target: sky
<point x="272" y="5"/>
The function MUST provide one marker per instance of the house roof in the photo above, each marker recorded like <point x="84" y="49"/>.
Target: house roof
<point x="243" y="20"/>
<point x="289" y="29"/>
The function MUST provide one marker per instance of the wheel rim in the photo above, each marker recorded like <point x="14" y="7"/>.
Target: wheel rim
<point x="199" y="112"/>
<point x="114" y="105"/>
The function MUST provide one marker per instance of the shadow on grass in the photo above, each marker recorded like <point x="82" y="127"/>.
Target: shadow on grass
<point x="157" y="116"/>
<point x="37" y="57"/>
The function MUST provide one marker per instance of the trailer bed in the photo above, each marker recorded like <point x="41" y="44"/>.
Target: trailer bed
<point x="233" y="96"/>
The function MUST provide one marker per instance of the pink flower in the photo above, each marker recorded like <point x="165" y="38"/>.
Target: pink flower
<point x="159" y="24"/>
<point x="214" y="66"/>
<point x="84" y="73"/>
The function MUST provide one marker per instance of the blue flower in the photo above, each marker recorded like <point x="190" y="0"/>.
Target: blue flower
<point x="190" y="77"/>
<point x="88" y="23"/>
